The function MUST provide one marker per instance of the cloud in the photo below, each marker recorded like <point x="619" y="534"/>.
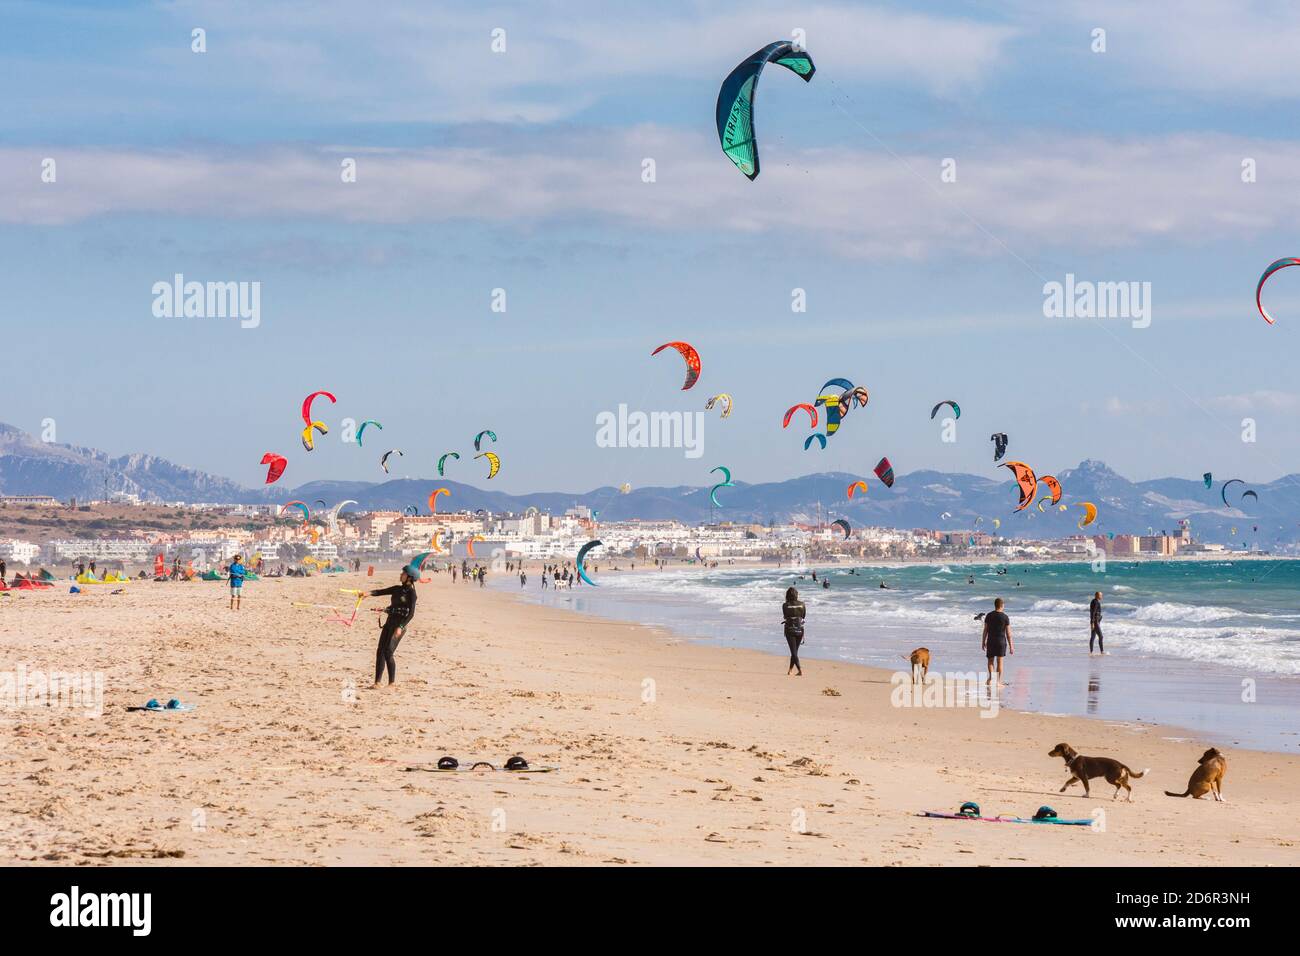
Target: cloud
<point x="1081" y="193"/>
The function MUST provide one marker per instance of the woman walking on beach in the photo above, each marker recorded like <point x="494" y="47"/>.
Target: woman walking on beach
<point x="793" y="611"/>
<point x="401" y="608"/>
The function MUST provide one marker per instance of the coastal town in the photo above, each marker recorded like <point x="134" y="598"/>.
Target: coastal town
<point x="125" y="533"/>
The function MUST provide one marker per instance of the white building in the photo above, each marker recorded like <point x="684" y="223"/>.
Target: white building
<point x="16" y="550"/>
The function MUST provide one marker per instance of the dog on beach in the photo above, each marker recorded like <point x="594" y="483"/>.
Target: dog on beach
<point x="920" y="661"/>
<point x="1082" y="769"/>
<point x="1207" y="778"/>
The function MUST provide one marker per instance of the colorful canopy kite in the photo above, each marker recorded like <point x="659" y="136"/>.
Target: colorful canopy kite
<point x="956" y="409"/>
<point x="383" y="462"/>
<point x="789" y="413"/>
<point x="469" y="543"/>
<point x="841" y="383"/>
<point x="841" y="523"/>
<point x="1208" y="478"/>
<point x="885" y="472"/>
<point x="308" y="439"/>
<point x="997" y="523"/>
<point x="1089" y="513"/>
<point x="1275" y="267"/>
<point x="306" y="405"/>
<point x="362" y="430"/>
<point x="726" y="482"/>
<point x="1249" y="494"/>
<point x="433" y="498"/>
<point x="834" y="412"/>
<point x="275" y="466"/>
<point x="726" y="473"/>
<point x="855" y="486"/>
<point x="735" y="110"/>
<point x="1053" y="486"/>
<point x="1026" y="479"/>
<point x="410" y="511"/>
<point x="999" y="440"/>
<point x="689" y="355"/>
<point x="479" y="438"/>
<point x="321" y="502"/>
<point x="306" y="512"/>
<point x="625" y="488"/>
<point x="857" y="394"/>
<point x="494" y="463"/>
<point x="809" y="440"/>
<point x="726" y="404"/>
<point x="443" y="460"/>
<point x="579" y="562"/>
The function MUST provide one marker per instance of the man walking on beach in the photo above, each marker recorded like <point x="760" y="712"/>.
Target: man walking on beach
<point x="996" y="641"/>
<point x="1094" y="624"/>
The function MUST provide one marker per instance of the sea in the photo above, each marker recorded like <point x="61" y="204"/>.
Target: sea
<point x="1208" y="649"/>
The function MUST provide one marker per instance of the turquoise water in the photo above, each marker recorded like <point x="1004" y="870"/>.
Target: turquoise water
<point x="1210" y="647"/>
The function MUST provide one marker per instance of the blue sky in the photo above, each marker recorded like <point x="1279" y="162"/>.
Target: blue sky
<point x="521" y="170"/>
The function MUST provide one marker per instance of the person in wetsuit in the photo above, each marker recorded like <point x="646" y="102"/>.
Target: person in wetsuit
<point x="793" y="612"/>
<point x="1094" y="624"/>
<point x="401" y="609"/>
<point x="996" y="640"/>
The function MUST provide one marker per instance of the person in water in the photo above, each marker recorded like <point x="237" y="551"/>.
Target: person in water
<point x="1094" y="624"/>
<point x="401" y="609"/>
<point x="793" y="612"/>
<point x="996" y="640"/>
<point x="237" y="573"/>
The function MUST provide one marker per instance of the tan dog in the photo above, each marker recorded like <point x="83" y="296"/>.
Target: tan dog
<point x="1207" y="778"/>
<point x="1083" y="769"/>
<point x="920" y="661"/>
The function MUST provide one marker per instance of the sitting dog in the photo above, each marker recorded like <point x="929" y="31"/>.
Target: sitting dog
<point x="920" y="661"/>
<point x="1083" y="769"/>
<point x="1207" y="778"/>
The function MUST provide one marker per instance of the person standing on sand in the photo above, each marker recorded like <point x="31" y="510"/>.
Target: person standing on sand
<point x="793" y="612"/>
<point x="1094" y="624"/>
<point x="996" y="640"/>
<point x="237" y="573"/>
<point x="401" y="608"/>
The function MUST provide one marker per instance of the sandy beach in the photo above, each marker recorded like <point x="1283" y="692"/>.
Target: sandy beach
<point x="667" y="752"/>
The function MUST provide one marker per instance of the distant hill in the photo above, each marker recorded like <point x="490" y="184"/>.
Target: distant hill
<point x="920" y="499"/>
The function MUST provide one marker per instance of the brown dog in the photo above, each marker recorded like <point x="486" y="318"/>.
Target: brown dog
<point x="1083" y="769"/>
<point x="920" y="661"/>
<point x="1207" y="778"/>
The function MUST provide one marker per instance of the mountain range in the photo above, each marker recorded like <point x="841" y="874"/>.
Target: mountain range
<point x="920" y="499"/>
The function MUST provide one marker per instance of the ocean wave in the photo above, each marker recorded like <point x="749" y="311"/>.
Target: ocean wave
<point x="1174" y="612"/>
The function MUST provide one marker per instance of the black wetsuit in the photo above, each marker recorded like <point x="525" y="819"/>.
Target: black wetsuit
<point x="997" y="623"/>
<point x="794" y="615"/>
<point x="401" y="608"/>
<point x="1094" y="622"/>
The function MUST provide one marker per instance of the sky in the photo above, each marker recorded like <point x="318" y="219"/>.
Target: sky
<point x="522" y="169"/>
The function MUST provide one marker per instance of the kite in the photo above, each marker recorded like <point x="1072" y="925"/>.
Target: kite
<point x="856" y="394"/>
<point x="726" y="473"/>
<point x="362" y="430"/>
<point x="469" y="543"/>
<point x="625" y="488"/>
<point x="691" y="357"/>
<point x="1053" y="486"/>
<point x="1026" y="479"/>
<point x="321" y="502"/>
<point x="308" y="440"/>
<point x="841" y="383"/>
<point x="999" y="440"/>
<point x="809" y="440"/>
<point x="945" y="516"/>
<point x="306" y="512"/>
<point x="334" y="514"/>
<point x="834" y="412"/>
<point x="1275" y="267"/>
<point x="956" y="409"/>
<point x="582" y="554"/>
<point x="726" y="482"/>
<point x="277" y="465"/>
<point x="433" y="498"/>
<point x="494" y="463"/>
<point x="1223" y="492"/>
<point x="735" y="110"/>
<point x="885" y="472"/>
<point x="306" y="406"/>
<point x="789" y="413"/>
<point x="855" y="486"/>
<point x="443" y="460"/>
<point x="1089" y="513"/>
<point x="479" y="437"/>
<point x="1208" y="478"/>
<point x="726" y="404"/>
<point x="410" y="511"/>
<point x="384" y="460"/>
<point x="845" y="525"/>
<point x="1251" y="494"/>
<point x="997" y="523"/>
